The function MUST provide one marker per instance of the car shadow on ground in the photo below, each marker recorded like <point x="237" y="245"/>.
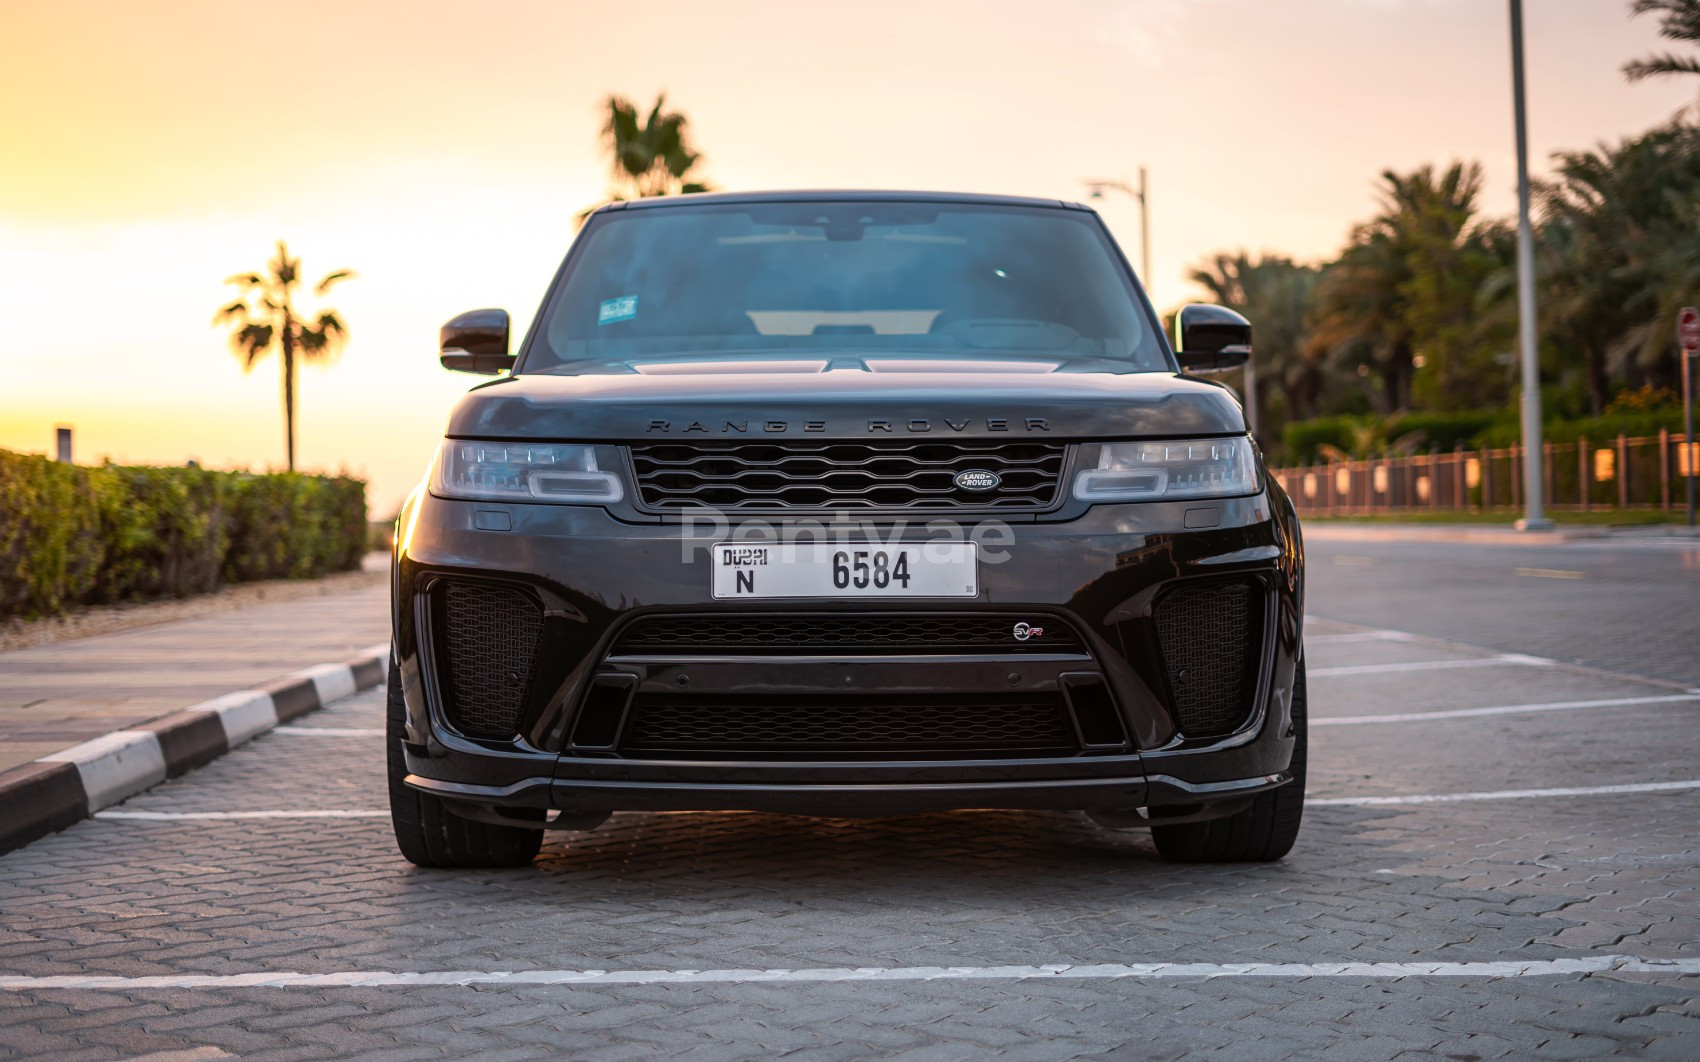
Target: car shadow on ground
<point x="1035" y="852"/>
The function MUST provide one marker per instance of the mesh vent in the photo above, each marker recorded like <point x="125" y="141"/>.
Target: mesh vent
<point x="846" y="475"/>
<point x="1209" y="636"/>
<point x="861" y="632"/>
<point x="846" y="726"/>
<point x="486" y="645"/>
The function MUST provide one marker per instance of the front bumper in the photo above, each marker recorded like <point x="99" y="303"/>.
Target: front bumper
<point x="595" y="576"/>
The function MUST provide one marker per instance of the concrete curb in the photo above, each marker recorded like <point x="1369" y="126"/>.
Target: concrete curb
<point x="70" y="785"/>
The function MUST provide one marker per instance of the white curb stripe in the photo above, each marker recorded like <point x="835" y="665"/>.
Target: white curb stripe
<point x="1431" y="665"/>
<point x="335" y="731"/>
<point x="1504" y="709"/>
<point x="332" y="682"/>
<point x="114" y="766"/>
<point x="173" y="816"/>
<point x="1502" y="794"/>
<point x="1595" y="964"/>
<point x="245" y="714"/>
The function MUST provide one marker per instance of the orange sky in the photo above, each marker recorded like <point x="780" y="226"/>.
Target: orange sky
<point x="149" y="150"/>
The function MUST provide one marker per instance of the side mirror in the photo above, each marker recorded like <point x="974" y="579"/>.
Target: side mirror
<point x="1211" y="338"/>
<point x="476" y="341"/>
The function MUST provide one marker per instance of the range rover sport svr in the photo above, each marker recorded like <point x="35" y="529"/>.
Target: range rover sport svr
<point x="846" y="504"/>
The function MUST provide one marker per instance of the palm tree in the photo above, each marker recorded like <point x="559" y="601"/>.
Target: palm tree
<point x="650" y="156"/>
<point x="1621" y="238"/>
<point x="1680" y="22"/>
<point x="1403" y="293"/>
<point x="263" y="317"/>
<point x="1275" y="294"/>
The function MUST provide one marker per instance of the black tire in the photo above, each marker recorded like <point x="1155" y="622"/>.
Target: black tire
<point x="1261" y="833"/>
<point x="428" y="833"/>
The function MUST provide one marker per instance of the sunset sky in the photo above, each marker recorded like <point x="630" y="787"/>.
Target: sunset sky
<point x="147" y="151"/>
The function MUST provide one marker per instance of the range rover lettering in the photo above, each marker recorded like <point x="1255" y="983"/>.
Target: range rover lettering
<point x="846" y="504"/>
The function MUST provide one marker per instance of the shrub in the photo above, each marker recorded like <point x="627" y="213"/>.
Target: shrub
<point x="1302" y="439"/>
<point x="1444" y="431"/>
<point x="1597" y="429"/>
<point x="74" y="535"/>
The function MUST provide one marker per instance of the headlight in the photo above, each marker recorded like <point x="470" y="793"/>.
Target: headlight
<point x="547" y="472"/>
<point x="1175" y="469"/>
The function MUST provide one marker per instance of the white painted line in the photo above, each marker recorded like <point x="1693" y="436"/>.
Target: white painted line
<point x="1502" y="794"/>
<point x="332" y="682"/>
<point x="1359" y="636"/>
<point x="1550" y="573"/>
<point x="1593" y="964"/>
<point x="245" y="714"/>
<point x="380" y="650"/>
<point x="1431" y="665"/>
<point x="1365" y="801"/>
<point x="1504" y="709"/>
<point x="174" y="816"/>
<point x="116" y="765"/>
<point x="330" y="731"/>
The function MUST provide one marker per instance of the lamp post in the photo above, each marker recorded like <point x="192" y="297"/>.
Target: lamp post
<point x="1096" y="189"/>
<point x="1534" y="481"/>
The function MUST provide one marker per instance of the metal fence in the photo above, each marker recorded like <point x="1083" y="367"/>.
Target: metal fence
<point x="1622" y="473"/>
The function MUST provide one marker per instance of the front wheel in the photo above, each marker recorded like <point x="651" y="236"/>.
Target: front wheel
<point x="427" y="832"/>
<point x="1261" y="833"/>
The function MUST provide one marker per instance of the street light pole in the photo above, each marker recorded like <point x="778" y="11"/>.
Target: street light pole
<point x="1534" y="480"/>
<point x="1096" y="190"/>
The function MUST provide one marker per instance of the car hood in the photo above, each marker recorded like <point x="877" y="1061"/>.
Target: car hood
<point x="807" y="401"/>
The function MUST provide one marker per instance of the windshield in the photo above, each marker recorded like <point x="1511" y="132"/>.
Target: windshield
<point x="893" y="285"/>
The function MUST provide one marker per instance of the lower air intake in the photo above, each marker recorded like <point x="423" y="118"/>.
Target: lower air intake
<point x="486" y="638"/>
<point x="848" y="727"/>
<point x="1210" y="636"/>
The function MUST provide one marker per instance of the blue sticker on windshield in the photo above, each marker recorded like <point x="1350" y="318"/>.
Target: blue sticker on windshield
<point x="623" y="308"/>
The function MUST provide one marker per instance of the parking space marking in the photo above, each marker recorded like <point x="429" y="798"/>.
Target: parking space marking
<point x="330" y="731"/>
<point x="1359" y="636"/>
<point x="1363" y="801"/>
<point x="1593" y="964"/>
<point x="1501" y="794"/>
<point x="1504" y="709"/>
<point x="173" y="816"/>
<point x="1431" y="665"/>
<point x="1551" y="573"/>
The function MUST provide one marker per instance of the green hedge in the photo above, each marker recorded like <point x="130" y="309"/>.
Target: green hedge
<point x="1367" y="436"/>
<point x="74" y="535"/>
<point x="1595" y="429"/>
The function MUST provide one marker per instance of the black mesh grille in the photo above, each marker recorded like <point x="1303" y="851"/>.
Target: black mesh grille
<point x="769" y="726"/>
<point x="1210" y="636"/>
<point x="846" y="475"/>
<point x="486" y="644"/>
<point x="860" y="632"/>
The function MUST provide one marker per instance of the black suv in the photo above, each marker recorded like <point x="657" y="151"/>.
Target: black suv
<point x="846" y="504"/>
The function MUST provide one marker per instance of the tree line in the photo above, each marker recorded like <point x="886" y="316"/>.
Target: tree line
<point x="1418" y="311"/>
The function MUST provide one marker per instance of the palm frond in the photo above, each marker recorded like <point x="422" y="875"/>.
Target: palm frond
<point x="331" y="279"/>
<point x="236" y="311"/>
<point x="250" y="343"/>
<point x="1660" y="66"/>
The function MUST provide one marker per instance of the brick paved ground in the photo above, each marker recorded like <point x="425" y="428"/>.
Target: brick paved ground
<point x="1523" y="879"/>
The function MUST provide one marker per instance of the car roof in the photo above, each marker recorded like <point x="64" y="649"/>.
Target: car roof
<point x="838" y="195"/>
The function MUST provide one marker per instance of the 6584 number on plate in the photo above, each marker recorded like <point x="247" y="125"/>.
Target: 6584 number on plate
<point x="793" y="569"/>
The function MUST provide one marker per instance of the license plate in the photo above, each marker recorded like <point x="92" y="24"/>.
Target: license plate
<point x="810" y="569"/>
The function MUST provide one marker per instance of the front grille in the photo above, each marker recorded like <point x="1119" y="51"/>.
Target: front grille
<point x="957" y="726"/>
<point x="1211" y="636"/>
<point x="486" y="639"/>
<point x="848" y="633"/>
<point x="910" y="476"/>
